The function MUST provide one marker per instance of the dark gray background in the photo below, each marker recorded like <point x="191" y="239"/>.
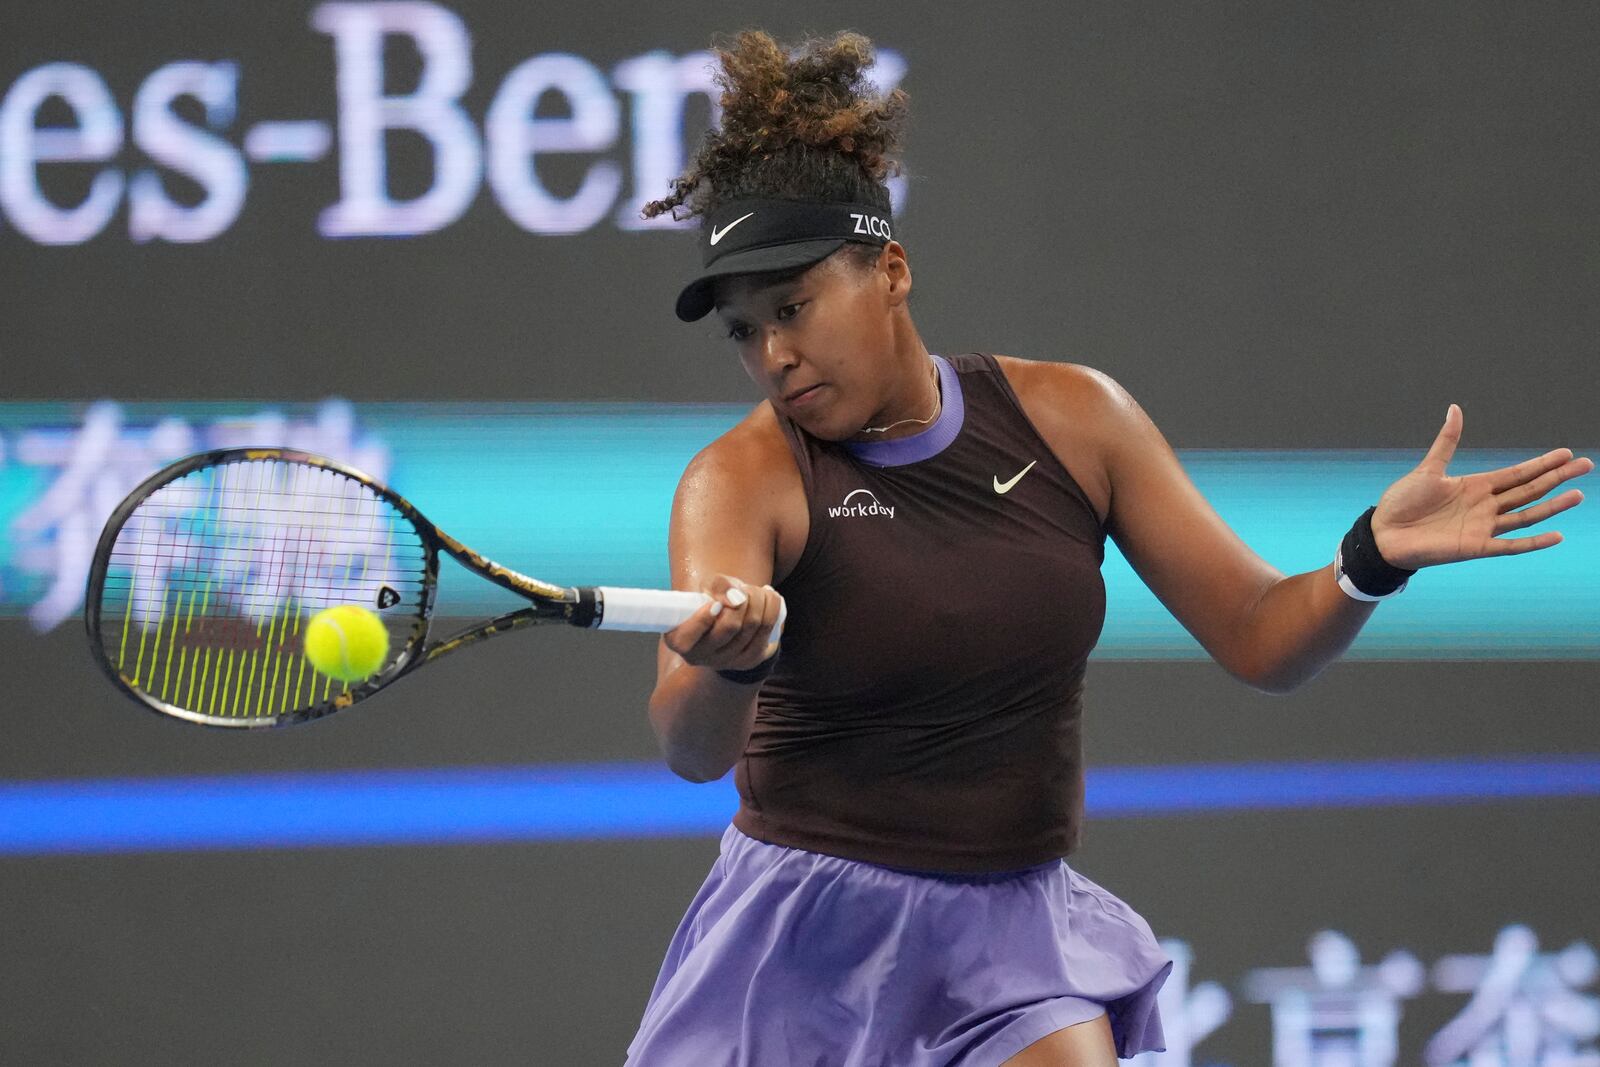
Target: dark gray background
<point x="1328" y="223"/>
<point x="1277" y="227"/>
<point x="545" y="953"/>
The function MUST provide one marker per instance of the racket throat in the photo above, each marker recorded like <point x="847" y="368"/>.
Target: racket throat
<point x="589" y="609"/>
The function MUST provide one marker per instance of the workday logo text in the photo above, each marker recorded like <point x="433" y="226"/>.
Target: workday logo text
<point x="859" y="504"/>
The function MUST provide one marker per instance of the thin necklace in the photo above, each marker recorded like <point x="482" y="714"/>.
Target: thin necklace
<point x="938" y="406"/>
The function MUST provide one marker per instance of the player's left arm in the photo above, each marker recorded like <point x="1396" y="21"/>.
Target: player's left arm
<point x="1271" y="631"/>
<point x="1175" y="541"/>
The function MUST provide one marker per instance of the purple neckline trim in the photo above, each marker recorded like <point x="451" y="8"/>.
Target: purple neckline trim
<point x="927" y="443"/>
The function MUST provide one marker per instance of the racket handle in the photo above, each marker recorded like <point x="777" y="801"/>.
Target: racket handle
<point x="659" y="610"/>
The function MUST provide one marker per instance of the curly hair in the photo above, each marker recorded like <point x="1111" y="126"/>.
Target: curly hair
<point x="804" y="124"/>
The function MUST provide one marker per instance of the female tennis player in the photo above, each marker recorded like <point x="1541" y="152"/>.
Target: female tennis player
<point x="892" y="889"/>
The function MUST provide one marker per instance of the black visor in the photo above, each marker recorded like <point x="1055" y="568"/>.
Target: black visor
<point x="755" y="236"/>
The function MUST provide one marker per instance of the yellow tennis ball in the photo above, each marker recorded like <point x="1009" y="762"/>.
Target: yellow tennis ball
<point x="347" y="642"/>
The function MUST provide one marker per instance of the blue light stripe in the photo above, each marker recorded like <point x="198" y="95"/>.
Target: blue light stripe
<point x="1150" y="791"/>
<point x="627" y="800"/>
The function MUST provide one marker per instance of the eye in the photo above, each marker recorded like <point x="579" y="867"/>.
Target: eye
<point x="795" y="308"/>
<point x="738" y="331"/>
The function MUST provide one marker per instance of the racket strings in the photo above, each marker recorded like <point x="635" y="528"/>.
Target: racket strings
<point x="213" y="576"/>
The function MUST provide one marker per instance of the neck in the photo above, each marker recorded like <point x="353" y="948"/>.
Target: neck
<point x="913" y="403"/>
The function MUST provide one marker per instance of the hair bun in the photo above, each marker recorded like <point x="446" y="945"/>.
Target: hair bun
<point x="793" y="124"/>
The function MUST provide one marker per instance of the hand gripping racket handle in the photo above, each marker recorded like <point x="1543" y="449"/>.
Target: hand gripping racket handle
<point x="659" y="610"/>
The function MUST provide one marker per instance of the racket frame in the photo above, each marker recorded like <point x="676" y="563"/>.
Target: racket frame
<point x="573" y="605"/>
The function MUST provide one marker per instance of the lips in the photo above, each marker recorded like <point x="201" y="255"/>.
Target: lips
<point x="800" y="396"/>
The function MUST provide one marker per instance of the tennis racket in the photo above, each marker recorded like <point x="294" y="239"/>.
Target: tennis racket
<point x="205" y="576"/>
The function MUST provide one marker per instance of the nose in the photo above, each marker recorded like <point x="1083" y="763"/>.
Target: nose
<point x="778" y="353"/>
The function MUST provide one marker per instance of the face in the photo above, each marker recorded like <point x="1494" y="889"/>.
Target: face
<point x="819" y="344"/>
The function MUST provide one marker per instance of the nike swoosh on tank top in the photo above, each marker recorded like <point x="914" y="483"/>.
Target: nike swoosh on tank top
<point x="924" y="713"/>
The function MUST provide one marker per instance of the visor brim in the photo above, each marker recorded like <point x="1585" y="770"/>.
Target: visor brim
<point x="697" y="298"/>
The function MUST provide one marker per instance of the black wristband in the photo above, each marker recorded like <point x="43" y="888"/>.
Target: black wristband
<point x="752" y="674"/>
<point x="1363" y="565"/>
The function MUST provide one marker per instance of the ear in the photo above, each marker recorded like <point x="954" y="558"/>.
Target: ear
<point x="896" y="272"/>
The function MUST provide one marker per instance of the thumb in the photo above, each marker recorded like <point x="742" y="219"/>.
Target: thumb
<point x="1444" y="446"/>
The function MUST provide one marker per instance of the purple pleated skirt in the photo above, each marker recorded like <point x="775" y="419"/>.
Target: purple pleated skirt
<point x="796" y="958"/>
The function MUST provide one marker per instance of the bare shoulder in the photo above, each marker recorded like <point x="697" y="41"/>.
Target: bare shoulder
<point x="1081" y="413"/>
<point x="751" y="457"/>
<point x="1075" y="388"/>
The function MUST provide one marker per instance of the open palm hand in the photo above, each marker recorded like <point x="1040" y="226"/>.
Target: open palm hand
<point x="1430" y="517"/>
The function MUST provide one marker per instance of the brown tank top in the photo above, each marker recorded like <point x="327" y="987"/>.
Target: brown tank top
<point x="924" y="711"/>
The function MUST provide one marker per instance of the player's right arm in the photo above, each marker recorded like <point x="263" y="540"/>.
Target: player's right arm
<point x="722" y="542"/>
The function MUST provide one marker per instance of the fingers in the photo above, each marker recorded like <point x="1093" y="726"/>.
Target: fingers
<point x="759" y="624"/>
<point x="691" y="631"/>
<point x="1517" y="546"/>
<point x="1444" y="446"/>
<point x="1519" y="520"/>
<point x="1527" y="471"/>
<point x="731" y="608"/>
<point x="1524" y="493"/>
<point x="690" y="635"/>
<point x="1521" y="490"/>
<point x="749" y="645"/>
<point x="731" y="630"/>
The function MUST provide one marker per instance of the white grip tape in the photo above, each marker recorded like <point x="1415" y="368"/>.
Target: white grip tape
<point x="647" y="610"/>
<point x="659" y="610"/>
